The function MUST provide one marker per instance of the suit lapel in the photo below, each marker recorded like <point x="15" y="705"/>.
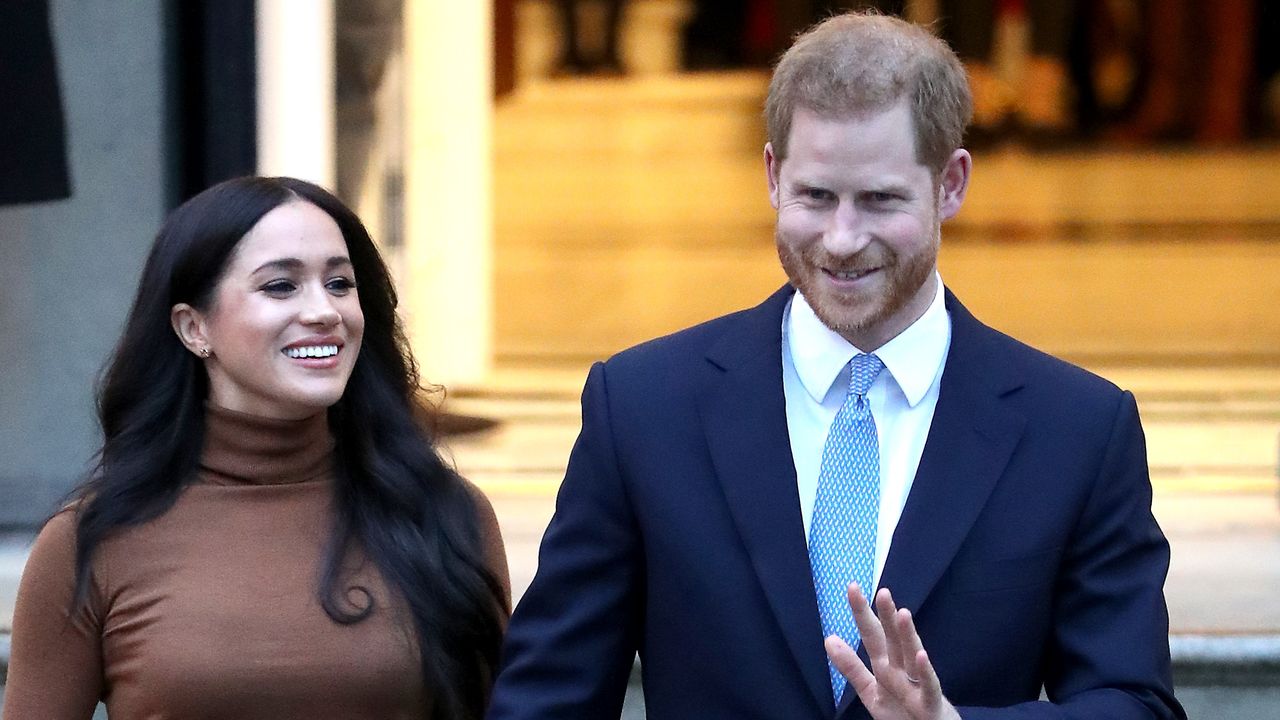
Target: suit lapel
<point x="972" y="436"/>
<point x="744" y="415"/>
<point x="970" y="441"/>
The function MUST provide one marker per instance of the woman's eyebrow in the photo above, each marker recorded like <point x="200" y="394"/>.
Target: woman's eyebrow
<point x="295" y="263"/>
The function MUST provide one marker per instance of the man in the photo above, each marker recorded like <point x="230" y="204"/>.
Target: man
<point x="857" y="429"/>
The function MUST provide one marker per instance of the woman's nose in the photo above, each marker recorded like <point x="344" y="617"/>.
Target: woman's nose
<point x="319" y="309"/>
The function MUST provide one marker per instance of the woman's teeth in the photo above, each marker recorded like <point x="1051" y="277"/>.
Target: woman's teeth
<point x="313" y="351"/>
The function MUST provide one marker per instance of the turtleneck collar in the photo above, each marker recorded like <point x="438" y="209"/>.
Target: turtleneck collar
<point x="241" y="449"/>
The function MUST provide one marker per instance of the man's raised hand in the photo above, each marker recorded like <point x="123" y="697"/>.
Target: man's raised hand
<point x="901" y="683"/>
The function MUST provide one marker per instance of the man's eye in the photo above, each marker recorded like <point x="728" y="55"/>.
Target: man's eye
<point x="817" y="194"/>
<point x="279" y="287"/>
<point x="340" y="285"/>
<point x="883" y="197"/>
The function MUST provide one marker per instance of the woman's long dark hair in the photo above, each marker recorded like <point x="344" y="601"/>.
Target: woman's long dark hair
<point x="395" y="498"/>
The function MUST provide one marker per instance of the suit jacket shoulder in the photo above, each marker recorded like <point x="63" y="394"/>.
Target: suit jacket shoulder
<point x="1029" y="376"/>
<point x="668" y="360"/>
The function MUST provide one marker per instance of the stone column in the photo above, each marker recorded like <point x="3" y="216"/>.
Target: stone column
<point x="295" y="49"/>
<point x="447" y="266"/>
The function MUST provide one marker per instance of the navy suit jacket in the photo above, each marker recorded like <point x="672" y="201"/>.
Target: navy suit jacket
<point x="1026" y="550"/>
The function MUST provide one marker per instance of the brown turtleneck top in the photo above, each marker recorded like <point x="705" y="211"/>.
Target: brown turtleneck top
<point x="211" y="609"/>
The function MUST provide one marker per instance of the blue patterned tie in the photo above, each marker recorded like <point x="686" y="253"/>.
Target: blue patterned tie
<point x="842" y="535"/>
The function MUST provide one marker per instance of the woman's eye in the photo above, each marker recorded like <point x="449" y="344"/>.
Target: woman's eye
<point x="340" y="285"/>
<point x="279" y="287"/>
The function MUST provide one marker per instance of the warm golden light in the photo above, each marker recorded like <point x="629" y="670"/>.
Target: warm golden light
<point x="295" y="89"/>
<point x="447" y="278"/>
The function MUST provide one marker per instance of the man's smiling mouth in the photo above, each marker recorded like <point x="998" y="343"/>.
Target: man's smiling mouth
<point x="850" y="274"/>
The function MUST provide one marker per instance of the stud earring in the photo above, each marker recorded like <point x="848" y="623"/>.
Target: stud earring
<point x="204" y="352"/>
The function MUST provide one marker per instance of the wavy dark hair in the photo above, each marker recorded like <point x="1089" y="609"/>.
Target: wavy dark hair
<point x="395" y="497"/>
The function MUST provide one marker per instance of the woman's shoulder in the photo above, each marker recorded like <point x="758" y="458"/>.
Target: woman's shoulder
<point x="486" y="516"/>
<point x="495" y="552"/>
<point x="54" y="550"/>
<point x="483" y="505"/>
<point x="59" y="532"/>
<point x="52" y="561"/>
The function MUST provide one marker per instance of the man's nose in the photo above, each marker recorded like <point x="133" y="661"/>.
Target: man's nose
<point x="847" y="232"/>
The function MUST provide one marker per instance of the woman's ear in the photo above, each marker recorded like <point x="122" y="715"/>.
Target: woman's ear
<point x="189" y="325"/>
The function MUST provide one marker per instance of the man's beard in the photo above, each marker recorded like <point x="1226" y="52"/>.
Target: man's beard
<point x="851" y="317"/>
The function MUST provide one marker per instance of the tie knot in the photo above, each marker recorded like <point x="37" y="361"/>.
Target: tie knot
<point x="863" y="369"/>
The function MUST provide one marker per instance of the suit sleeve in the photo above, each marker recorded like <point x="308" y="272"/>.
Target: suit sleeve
<point x="55" y="662"/>
<point x="1109" y="645"/>
<point x="574" y="635"/>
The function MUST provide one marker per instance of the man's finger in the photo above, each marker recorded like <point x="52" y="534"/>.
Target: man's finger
<point x="886" y="611"/>
<point x="918" y="666"/>
<point x="930" y="685"/>
<point x="905" y="641"/>
<point x="869" y="626"/>
<point x="905" y="630"/>
<point x="852" y="667"/>
<point x="885" y="607"/>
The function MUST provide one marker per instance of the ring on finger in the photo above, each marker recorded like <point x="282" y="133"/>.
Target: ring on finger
<point x="913" y="681"/>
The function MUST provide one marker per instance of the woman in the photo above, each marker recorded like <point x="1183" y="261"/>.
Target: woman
<point x="268" y="532"/>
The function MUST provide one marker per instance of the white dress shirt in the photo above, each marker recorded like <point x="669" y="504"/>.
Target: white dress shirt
<point x="816" y="380"/>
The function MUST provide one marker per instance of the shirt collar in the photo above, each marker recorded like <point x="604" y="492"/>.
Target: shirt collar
<point x="914" y="358"/>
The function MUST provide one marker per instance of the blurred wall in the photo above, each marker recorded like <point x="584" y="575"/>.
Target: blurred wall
<point x="68" y="268"/>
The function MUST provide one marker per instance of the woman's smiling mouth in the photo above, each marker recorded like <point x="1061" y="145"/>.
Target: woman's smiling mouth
<point x="311" y="351"/>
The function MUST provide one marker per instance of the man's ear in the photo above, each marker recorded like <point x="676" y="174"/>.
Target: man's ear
<point x="772" y="166"/>
<point x="953" y="183"/>
<point x="189" y="324"/>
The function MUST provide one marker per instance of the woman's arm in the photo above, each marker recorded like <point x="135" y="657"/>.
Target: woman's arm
<point x="55" y="663"/>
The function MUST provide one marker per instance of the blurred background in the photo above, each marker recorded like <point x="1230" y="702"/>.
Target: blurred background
<point x="555" y="180"/>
